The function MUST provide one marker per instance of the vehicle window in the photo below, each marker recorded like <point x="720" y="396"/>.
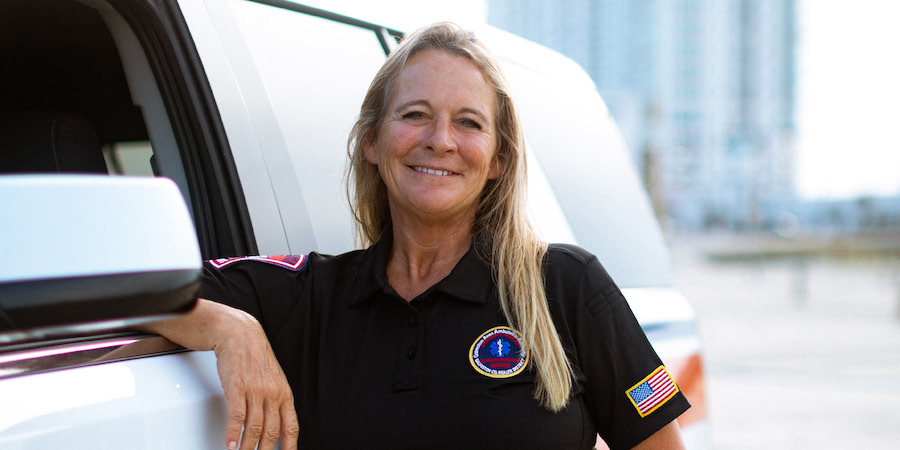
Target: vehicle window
<point x="68" y="101"/>
<point x="316" y="72"/>
<point x="64" y="94"/>
<point x="128" y="102"/>
<point x="77" y="95"/>
<point x="130" y="158"/>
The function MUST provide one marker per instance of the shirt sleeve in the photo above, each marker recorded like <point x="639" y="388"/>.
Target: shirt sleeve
<point x="264" y="286"/>
<point x="627" y="389"/>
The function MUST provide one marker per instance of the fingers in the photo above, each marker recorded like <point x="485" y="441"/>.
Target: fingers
<point x="271" y="427"/>
<point x="290" y="426"/>
<point x="263" y="419"/>
<point x="264" y="425"/>
<point x="237" y="413"/>
<point x="253" y="427"/>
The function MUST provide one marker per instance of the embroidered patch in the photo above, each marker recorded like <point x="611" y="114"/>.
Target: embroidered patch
<point x="652" y="392"/>
<point x="292" y="262"/>
<point x="499" y="353"/>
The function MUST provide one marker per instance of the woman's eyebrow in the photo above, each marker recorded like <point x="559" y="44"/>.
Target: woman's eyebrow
<point x="421" y="102"/>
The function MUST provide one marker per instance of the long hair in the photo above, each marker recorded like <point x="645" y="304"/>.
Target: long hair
<point x="516" y="252"/>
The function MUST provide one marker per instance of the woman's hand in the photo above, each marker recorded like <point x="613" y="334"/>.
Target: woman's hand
<point x="259" y="397"/>
<point x="258" y="394"/>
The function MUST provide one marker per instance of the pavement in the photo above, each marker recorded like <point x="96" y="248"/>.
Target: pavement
<point x="800" y="353"/>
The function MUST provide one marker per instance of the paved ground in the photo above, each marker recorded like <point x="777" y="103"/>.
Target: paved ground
<point x="798" y="355"/>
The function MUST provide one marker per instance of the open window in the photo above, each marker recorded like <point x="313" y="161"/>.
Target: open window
<point x="110" y="88"/>
<point x="113" y="87"/>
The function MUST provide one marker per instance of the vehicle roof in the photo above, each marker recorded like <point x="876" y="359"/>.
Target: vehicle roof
<point x="585" y="159"/>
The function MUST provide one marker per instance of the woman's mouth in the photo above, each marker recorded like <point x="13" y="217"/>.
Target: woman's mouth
<point x="432" y="171"/>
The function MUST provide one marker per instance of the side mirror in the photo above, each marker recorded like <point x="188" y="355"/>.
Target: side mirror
<point x="81" y="252"/>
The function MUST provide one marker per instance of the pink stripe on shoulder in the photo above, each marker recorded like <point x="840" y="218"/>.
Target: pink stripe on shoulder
<point x="291" y="262"/>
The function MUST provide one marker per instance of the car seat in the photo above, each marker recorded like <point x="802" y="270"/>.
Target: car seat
<point x="46" y="141"/>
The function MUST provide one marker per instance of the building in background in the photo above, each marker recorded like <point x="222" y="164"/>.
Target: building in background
<point x="703" y="91"/>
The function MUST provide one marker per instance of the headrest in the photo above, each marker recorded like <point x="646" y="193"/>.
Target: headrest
<point x="48" y="142"/>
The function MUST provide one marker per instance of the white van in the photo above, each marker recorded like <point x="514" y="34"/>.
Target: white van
<point x="245" y="106"/>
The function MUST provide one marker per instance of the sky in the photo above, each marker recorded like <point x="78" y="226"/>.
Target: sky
<point x="848" y="108"/>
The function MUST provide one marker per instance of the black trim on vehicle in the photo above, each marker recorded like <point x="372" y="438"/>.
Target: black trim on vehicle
<point x="388" y="40"/>
<point x="220" y="210"/>
<point x="66" y="301"/>
<point x="383" y="33"/>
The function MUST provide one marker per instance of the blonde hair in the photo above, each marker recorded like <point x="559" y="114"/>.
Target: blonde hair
<point x="516" y="251"/>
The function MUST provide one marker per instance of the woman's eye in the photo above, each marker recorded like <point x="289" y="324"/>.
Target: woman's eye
<point x="413" y="115"/>
<point x="469" y="123"/>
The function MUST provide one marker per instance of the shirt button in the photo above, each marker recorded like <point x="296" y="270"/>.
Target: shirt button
<point x="413" y="321"/>
<point x="411" y="353"/>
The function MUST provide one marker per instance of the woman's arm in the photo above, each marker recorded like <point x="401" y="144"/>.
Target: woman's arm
<point x="258" y="395"/>
<point x="668" y="437"/>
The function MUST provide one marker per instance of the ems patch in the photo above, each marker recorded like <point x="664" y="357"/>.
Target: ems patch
<point x="499" y="353"/>
<point x="292" y="262"/>
<point x="652" y="392"/>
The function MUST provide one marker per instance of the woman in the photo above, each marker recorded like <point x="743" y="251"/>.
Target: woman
<point x="457" y="327"/>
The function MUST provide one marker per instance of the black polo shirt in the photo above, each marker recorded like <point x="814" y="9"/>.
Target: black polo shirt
<point x="371" y="370"/>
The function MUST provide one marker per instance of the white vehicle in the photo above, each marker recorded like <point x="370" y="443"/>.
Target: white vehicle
<point x="241" y="109"/>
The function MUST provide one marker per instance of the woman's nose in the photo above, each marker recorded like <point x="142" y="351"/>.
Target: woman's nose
<point x="440" y="138"/>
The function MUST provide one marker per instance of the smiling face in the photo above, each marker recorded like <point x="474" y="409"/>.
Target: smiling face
<point x="435" y="148"/>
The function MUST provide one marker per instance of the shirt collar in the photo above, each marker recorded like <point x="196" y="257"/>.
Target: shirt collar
<point x="471" y="280"/>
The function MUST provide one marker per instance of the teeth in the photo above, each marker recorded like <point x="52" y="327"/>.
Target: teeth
<point x="432" y="171"/>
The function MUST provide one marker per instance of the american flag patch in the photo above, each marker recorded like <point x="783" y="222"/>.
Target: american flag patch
<point x="652" y="392"/>
<point x="292" y="262"/>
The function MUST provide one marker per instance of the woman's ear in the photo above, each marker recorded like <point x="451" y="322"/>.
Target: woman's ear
<point x="497" y="167"/>
<point x="369" y="150"/>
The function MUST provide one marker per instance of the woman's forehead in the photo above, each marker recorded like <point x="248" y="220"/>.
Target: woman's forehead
<point x="438" y="75"/>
